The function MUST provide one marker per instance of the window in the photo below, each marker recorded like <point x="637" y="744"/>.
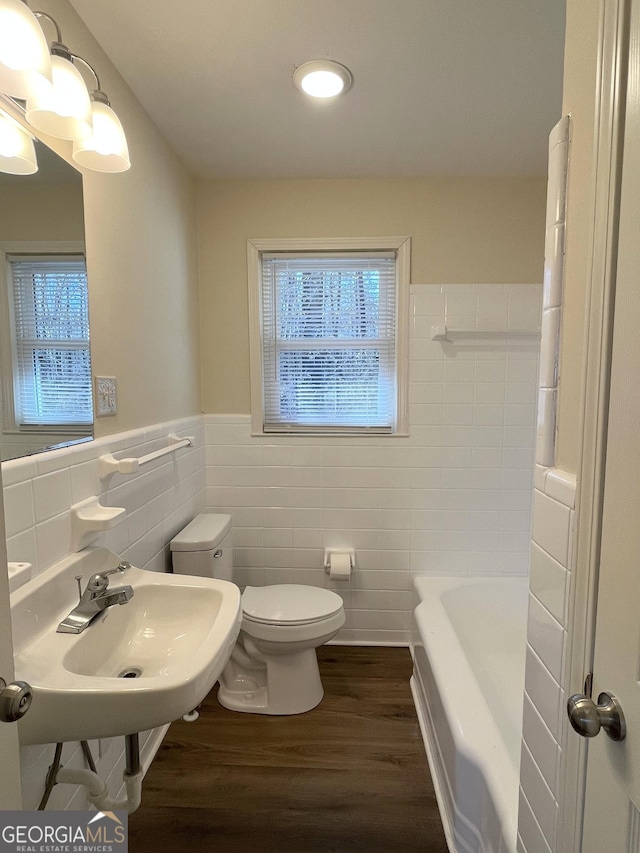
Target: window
<point x="49" y="324"/>
<point x="329" y="335"/>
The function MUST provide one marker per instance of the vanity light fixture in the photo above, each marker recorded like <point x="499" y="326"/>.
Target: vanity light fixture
<point x="17" y="151"/>
<point x="64" y="111"/>
<point x="57" y="99"/>
<point x="105" y="150"/>
<point x="25" y="62"/>
<point x="322" y="78"/>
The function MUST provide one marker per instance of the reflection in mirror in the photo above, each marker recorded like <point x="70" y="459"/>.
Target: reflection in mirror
<point x="45" y="368"/>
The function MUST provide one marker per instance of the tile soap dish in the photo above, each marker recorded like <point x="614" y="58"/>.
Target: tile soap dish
<point x="89" y="518"/>
<point x="19" y="574"/>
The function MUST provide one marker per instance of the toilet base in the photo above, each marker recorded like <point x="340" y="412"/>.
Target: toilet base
<point x="285" y="684"/>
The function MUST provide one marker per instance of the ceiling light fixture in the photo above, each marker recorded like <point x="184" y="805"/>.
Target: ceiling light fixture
<point x="322" y="78"/>
<point x="59" y="106"/>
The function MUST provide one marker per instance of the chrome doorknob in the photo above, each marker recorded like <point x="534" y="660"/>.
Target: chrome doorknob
<point x="587" y="718"/>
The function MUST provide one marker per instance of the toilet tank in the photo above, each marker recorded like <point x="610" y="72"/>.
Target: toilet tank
<point x="205" y="547"/>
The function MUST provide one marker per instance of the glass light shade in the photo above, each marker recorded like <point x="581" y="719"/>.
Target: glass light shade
<point x="322" y="84"/>
<point x="25" y="62"/>
<point x="17" y="151"/>
<point x="322" y="78"/>
<point x="106" y="149"/>
<point x="65" y="112"/>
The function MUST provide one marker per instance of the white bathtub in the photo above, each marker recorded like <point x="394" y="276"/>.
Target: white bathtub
<point x="469" y="651"/>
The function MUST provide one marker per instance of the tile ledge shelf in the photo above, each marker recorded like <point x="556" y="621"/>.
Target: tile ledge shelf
<point x="557" y="484"/>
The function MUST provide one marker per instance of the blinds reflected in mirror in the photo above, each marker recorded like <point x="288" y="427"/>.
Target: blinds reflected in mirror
<point x="50" y="320"/>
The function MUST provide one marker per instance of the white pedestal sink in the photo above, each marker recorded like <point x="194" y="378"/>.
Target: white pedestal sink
<point x="171" y="641"/>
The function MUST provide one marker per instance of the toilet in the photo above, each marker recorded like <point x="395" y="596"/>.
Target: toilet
<point x="273" y="667"/>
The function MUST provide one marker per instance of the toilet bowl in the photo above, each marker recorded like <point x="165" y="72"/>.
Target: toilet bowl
<point x="273" y="667"/>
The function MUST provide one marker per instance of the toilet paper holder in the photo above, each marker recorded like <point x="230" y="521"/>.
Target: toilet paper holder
<point x="334" y="552"/>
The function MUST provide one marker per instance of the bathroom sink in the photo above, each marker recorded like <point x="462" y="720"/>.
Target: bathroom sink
<point x="137" y="665"/>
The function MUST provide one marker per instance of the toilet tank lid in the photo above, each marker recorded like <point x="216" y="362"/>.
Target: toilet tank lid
<point x="204" y="533"/>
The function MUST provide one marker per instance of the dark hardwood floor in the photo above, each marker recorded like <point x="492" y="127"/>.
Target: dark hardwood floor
<point x="349" y="776"/>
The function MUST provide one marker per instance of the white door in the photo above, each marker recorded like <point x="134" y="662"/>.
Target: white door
<point x="10" y="793"/>
<point x="612" y="808"/>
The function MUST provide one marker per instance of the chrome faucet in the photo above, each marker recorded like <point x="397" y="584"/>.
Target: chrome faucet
<point x="96" y="598"/>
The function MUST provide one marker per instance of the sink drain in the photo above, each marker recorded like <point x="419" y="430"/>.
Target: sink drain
<point x="130" y="672"/>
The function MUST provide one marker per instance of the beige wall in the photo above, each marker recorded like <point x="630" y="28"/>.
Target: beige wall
<point x="41" y="212"/>
<point x="463" y="230"/>
<point x="141" y="260"/>
<point x="579" y="101"/>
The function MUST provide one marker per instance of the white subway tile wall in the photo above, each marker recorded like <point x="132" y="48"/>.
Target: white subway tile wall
<point x="38" y="494"/>
<point x="552" y="536"/>
<point x="552" y="293"/>
<point x="545" y="697"/>
<point x="40" y="490"/>
<point x="453" y="497"/>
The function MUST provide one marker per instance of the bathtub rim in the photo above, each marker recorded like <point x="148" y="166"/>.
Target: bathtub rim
<point x="476" y="739"/>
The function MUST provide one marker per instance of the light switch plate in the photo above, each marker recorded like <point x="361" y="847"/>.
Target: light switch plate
<point x="106" y="396"/>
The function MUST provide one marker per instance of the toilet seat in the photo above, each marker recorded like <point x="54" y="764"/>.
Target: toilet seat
<point x="289" y="605"/>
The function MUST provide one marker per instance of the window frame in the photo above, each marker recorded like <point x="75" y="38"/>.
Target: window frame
<point x="401" y="246"/>
<point x="10" y="421"/>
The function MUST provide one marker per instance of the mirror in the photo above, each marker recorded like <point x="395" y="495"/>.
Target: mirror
<point x="42" y="243"/>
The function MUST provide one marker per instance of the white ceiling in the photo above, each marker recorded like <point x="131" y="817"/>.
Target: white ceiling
<point x="441" y="87"/>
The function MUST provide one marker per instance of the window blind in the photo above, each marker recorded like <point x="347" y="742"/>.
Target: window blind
<point x="328" y="341"/>
<point x="51" y="327"/>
